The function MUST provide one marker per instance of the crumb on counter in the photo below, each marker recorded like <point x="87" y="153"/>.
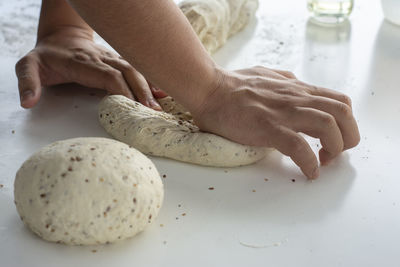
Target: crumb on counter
<point x="211" y="188"/>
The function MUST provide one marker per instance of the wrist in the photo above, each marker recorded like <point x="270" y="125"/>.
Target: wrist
<point x="57" y="16"/>
<point x="65" y="31"/>
<point x="205" y="90"/>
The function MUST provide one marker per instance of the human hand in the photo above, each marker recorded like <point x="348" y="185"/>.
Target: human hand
<point x="266" y="107"/>
<point x="70" y="55"/>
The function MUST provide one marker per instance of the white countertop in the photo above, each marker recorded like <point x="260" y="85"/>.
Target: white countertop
<point x="350" y="216"/>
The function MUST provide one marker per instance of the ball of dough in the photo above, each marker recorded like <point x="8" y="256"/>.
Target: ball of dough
<point x="171" y="135"/>
<point x="87" y="191"/>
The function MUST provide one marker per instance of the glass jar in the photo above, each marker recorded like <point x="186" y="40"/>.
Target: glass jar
<point x="330" y="11"/>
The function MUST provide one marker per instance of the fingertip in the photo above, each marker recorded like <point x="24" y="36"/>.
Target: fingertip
<point x="315" y="174"/>
<point x="158" y="93"/>
<point x="324" y="157"/>
<point x="154" y="105"/>
<point x="27" y="98"/>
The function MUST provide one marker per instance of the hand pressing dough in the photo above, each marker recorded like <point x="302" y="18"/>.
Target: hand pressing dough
<point x="172" y="135"/>
<point x="87" y="191"/>
<point x="214" y="21"/>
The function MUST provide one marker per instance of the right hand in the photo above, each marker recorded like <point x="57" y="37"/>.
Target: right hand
<point x="70" y="55"/>
<point x="266" y="107"/>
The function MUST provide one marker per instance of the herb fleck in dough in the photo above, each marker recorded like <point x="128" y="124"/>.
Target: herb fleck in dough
<point x="87" y="191"/>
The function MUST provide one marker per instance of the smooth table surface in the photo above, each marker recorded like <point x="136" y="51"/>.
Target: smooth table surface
<point x="350" y="216"/>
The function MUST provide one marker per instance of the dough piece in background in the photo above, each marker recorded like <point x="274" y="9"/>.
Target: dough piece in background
<point x="172" y="136"/>
<point x="214" y="21"/>
<point x="87" y="191"/>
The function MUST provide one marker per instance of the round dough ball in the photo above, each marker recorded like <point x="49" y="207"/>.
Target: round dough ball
<point x="87" y="191"/>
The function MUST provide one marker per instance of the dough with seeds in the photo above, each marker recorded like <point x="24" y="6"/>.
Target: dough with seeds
<point x="214" y="21"/>
<point x="88" y="191"/>
<point x="171" y="135"/>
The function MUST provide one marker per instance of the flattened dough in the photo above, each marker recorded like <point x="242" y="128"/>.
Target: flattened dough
<point x="214" y="21"/>
<point x="87" y="191"/>
<point x="172" y="136"/>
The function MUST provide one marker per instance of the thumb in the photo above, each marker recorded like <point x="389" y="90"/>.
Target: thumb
<point x="27" y="70"/>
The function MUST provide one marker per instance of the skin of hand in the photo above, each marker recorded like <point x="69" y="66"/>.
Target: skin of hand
<point x="266" y="107"/>
<point x="70" y="55"/>
<point x="65" y="53"/>
<point x="256" y="106"/>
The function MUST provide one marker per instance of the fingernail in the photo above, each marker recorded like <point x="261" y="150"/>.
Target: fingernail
<point x="26" y="95"/>
<point x="154" y="104"/>
<point x="315" y="173"/>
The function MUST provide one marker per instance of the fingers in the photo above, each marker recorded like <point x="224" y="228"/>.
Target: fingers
<point x="343" y="116"/>
<point x="325" y="92"/>
<point x="27" y="70"/>
<point x="157" y="93"/>
<point x="286" y="74"/>
<point x="296" y="147"/>
<point x="320" y="125"/>
<point x="98" y="75"/>
<point x="137" y="83"/>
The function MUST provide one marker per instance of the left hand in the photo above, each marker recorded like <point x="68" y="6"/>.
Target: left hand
<point x="70" y="55"/>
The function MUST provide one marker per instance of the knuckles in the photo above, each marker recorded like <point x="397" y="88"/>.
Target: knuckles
<point x="22" y="64"/>
<point x="347" y="100"/>
<point x="345" y="110"/>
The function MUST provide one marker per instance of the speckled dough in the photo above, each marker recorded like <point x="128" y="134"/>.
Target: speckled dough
<point x="171" y="135"/>
<point x="214" y="21"/>
<point x="87" y="191"/>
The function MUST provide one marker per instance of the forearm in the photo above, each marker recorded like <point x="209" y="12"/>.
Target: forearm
<point x="155" y="37"/>
<point x="58" y="15"/>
